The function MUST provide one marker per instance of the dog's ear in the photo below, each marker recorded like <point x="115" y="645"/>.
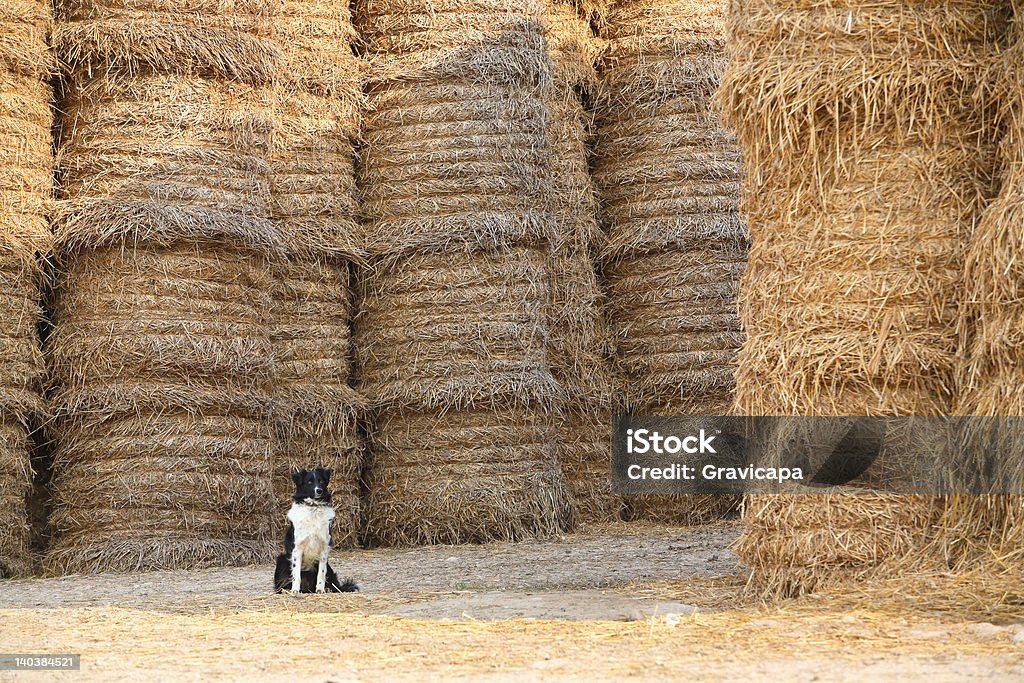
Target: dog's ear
<point x="327" y="474"/>
<point x="297" y="475"/>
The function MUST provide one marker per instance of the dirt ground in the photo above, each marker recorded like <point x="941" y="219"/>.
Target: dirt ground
<point x="613" y="602"/>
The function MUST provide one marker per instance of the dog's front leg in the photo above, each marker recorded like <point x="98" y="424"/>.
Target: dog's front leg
<point x="321" y="575"/>
<point x="296" y="569"/>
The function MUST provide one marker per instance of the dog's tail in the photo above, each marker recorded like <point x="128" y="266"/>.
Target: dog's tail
<point x="346" y="586"/>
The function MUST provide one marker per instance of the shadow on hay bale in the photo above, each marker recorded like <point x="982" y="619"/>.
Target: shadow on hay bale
<point x="668" y="175"/>
<point x="865" y="167"/>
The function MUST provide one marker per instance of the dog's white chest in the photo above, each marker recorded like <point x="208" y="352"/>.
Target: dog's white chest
<point x="312" y="525"/>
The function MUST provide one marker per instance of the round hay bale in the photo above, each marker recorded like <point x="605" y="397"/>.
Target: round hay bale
<point x="230" y="40"/>
<point x="24" y="28"/>
<point x="15" y="486"/>
<point x="164" y="158"/>
<point x="868" y="159"/>
<point x="317" y="409"/>
<point x="482" y="41"/>
<point x="447" y="165"/>
<point x="446" y="331"/>
<point x="164" y="366"/>
<point x="464" y="476"/>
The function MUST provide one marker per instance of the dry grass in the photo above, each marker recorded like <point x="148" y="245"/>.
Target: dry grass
<point x="24" y="28"/>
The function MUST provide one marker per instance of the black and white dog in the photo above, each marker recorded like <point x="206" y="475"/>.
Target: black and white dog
<point x="303" y="566"/>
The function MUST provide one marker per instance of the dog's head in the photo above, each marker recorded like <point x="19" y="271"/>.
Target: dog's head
<point x="312" y="485"/>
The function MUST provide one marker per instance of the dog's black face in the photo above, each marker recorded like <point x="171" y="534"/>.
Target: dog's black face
<point x="312" y="485"/>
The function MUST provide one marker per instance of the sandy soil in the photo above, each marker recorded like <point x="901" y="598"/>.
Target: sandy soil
<point x="613" y="602"/>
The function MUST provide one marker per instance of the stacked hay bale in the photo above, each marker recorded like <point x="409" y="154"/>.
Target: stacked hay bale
<point x="989" y="530"/>
<point x="313" y="205"/>
<point x="160" y="353"/>
<point x="26" y="186"/>
<point x="452" y="335"/>
<point x="669" y="181"/>
<point x="868" y="158"/>
<point x="579" y="335"/>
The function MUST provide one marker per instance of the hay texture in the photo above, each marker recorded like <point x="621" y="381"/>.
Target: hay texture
<point x="464" y="476"/>
<point x="988" y="531"/>
<point x="164" y="442"/>
<point x="868" y="158"/>
<point x="26" y="189"/>
<point x="455" y="179"/>
<point x="669" y="174"/>
<point x="313" y="206"/>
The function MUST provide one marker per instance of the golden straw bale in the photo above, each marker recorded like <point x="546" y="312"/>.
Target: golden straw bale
<point x="867" y="138"/>
<point x="15" y="487"/>
<point x="442" y="330"/>
<point x="446" y="164"/>
<point x="164" y="369"/>
<point x="21" y="360"/>
<point x="26" y="163"/>
<point x="24" y="28"/>
<point x="585" y="454"/>
<point x="464" y="476"/>
<point x="219" y="38"/>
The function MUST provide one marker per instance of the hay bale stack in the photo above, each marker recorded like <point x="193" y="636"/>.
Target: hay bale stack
<point x="867" y="162"/>
<point x="160" y="353"/>
<point x="26" y="189"/>
<point x="669" y="182"/>
<point x="313" y="205"/>
<point x="579" y="334"/>
<point x="452" y="335"/>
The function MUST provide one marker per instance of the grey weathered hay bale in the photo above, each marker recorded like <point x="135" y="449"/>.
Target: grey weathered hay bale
<point x="164" y="435"/>
<point x="865" y="131"/>
<point x="24" y="27"/>
<point x="483" y="41"/>
<point x="317" y="409"/>
<point x="447" y="164"/>
<point x="15" y="486"/>
<point x="669" y="180"/>
<point x="440" y="331"/>
<point x="218" y="39"/>
<point x="464" y="476"/>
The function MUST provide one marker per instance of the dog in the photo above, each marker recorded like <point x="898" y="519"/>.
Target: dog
<point x="303" y="566"/>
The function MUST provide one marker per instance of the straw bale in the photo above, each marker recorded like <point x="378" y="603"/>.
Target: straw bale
<point x="191" y="314"/>
<point x="445" y="330"/>
<point x="24" y="28"/>
<point x="151" y="475"/>
<point x="316" y="39"/>
<point x="157" y="159"/>
<point x="481" y="41"/>
<point x="15" y="486"/>
<point x="464" y="476"/>
<point x="865" y="129"/>
<point x="446" y="164"/>
<point x="21" y="360"/>
<point x="222" y="39"/>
